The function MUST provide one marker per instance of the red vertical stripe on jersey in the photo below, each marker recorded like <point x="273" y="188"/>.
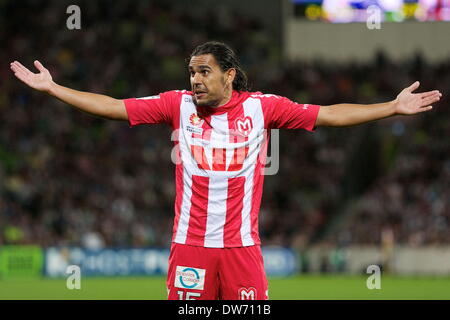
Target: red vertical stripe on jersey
<point x="237" y="161"/>
<point x="206" y="134"/>
<point x="235" y="204"/>
<point x="199" y="211"/>
<point x="219" y="159"/>
<point x="258" y="181"/>
<point x="235" y="135"/>
<point x="198" y="152"/>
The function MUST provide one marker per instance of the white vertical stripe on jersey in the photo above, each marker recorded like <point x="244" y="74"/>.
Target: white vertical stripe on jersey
<point x="183" y="223"/>
<point x="218" y="186"/>
<point x="252" y="108"/>
<point x="186" y="109"/>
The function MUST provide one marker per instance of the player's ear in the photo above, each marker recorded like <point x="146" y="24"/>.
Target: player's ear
<point x="231" y="74"/>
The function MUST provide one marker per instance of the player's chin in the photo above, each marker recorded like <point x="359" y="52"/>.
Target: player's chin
<point x="201" y="102"/>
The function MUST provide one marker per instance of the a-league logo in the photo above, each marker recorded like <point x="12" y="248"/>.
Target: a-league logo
<point x="247" y="293"/>
<point x="195" y="120"/>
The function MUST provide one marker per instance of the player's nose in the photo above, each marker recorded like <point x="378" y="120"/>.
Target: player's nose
<point x="197" y="79"/>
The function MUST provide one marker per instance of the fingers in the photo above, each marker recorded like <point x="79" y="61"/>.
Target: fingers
<point x="21" y="66"/>
<point x="424" y="109"/>
<point x="430" y="100"/>
<point x="431" y="94"/>
<point x="19" y="71"/>
<point x="430" y="97"/>
<point x="22" y="77"/>
<point x="39" y="66"/>
<point x="18" y="66"/>
<point x="413" y="87"/>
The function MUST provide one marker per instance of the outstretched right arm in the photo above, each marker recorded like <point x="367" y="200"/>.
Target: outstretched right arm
<point x="92" y="103"/>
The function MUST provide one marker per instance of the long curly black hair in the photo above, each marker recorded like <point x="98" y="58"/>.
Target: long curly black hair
<point x="227" y="59"/>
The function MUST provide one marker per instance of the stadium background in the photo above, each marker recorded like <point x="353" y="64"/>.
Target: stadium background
<point x="75" y="189"/>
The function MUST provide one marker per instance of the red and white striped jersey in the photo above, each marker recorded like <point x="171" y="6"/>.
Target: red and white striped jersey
<point x="220" y="158"/>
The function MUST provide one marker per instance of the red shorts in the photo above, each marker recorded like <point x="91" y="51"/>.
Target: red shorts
<point x="198" y="273"/>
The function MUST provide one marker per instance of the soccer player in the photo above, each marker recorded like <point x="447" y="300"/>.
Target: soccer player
<point x="220" y="142"/>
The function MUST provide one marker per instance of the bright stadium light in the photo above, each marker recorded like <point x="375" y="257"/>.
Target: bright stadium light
<point x="338" y="10"/>
<point x="391" y="5"/>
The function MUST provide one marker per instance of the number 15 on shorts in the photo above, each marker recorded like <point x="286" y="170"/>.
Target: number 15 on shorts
<point x="189" y="295"/>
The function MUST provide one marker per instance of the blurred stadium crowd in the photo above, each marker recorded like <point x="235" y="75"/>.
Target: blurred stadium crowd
<point x="67" y="178"/>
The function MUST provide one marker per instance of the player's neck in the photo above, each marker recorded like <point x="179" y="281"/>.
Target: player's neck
<point x="226" y="99"/>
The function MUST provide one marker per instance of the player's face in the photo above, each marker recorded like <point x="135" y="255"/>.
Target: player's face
<point x="209" y="83"/>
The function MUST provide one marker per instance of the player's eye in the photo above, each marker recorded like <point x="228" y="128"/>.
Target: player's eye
<point x="202" y="72"/>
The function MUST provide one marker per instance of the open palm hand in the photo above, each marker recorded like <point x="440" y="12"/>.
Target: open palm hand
<point x="41" y="81"/>
<point x="409" y="103"/>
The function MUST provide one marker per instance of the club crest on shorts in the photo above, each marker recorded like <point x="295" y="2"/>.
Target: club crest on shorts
<point x="243" y="125"/>
<point x="190" y="278"/>
<point x="247" y="293"/>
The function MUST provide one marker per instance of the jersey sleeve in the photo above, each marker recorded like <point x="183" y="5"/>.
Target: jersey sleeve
<point x="286" y="114"/>
<point x="152" y="109"/>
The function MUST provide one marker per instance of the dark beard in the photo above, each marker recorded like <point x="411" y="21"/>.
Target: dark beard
<point x="209" y="103"/>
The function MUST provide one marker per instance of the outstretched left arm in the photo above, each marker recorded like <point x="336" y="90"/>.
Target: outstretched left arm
<point x="406" y="103"/>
